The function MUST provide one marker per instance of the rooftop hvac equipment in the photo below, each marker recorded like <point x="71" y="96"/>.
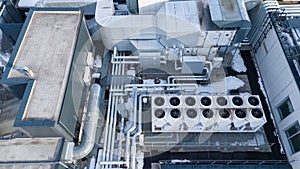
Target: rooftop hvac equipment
<point x="193" y="64"/>
<point x="159" y="120"/>
<point x="190" y="102"/>
<point x="191" y="117"/>
<point x="205" y="101"/>
<point x="159" y="101"/>
<point x="176" y="120"/>
<point x="229" y="13"/>
<point x="150" y="59"/>
<point x="253" y="101"/>
<point x="207" y="119"/>
<point x="223" y="119"/>
<point x="256" y="118"/>
<point x="174" y="101"/>
<point x="194" y="113"/>
<point x="220" y="101"/>
<point x="236" y="101"/>
<point x="240" y="118"/>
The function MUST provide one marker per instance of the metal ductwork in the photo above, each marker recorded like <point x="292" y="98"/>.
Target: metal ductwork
<point x="229" y="13"/>
<point x="89" y="128"/>
<point x="132" y="6"/>
<point x="250" y="4"/>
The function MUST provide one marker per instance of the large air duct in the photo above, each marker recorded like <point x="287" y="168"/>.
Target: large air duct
<point x="89" y="128"/>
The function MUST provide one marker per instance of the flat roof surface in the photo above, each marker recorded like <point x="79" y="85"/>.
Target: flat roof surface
<point x="28" y="149"/>
<point x="47" y="49"/>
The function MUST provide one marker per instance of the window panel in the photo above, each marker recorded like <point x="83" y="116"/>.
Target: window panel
<point x="293" y="130"/>
<point x="285" y="108"/>
<point x="293" y="136"/>
<point x="295" y="143"/>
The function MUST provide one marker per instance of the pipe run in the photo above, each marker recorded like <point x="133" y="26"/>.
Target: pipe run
<point x="90" y="125"/>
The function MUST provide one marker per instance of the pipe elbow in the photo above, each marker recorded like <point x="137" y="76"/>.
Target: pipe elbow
<point x="90" y="125"/>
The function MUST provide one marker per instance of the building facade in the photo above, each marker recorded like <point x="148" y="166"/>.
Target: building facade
<point x="275" y="40"/>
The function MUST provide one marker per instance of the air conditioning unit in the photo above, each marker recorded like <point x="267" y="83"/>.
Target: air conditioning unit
<point x="221" y="101"/>
<point x="174" y="101"/>
<point x="191" y="117"/>
<point x="208" y="119"/>
<point x="159" y="119"/>
<point x="236" y="101"/>
<point x="174" y="117"/>
<point x="159" y="101"/>
<point x="257" y="118"/>
<point x="206" y="102"/>
<point x="224" y="119"/>
<point x="190" y="101"/>
<point x="239" y="118"/>
<point x="253" y="101"/>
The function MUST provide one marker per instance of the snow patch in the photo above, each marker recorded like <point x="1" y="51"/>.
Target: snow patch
<point x="287" y="38"/>
<point x="180" y="161"/>
<point x="233" y="83"/>
<point x="238" y="62"/>
<point x="221" y="87"/>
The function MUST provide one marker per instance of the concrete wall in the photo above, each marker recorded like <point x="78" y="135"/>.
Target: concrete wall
<point x="279" y="84"/>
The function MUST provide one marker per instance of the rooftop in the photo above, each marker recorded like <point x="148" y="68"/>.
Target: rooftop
<point x="18" y="150"/>
<point x="49" y="62"/>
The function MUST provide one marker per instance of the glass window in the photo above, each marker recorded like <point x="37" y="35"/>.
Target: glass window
<point x="285" y="108"/>
<point x="293" y="136"/>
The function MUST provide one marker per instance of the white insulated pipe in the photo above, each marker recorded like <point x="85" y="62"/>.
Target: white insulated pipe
<point x="90" y="125"/>
<point x="137" y="134"/>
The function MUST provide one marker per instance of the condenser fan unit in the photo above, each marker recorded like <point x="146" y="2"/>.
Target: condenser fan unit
<point x="240" y="113"/>
<point x="205" y="101"/>
<point x="237" y="101"/>
<point x="224" y="113"/>
<point x="174" y="101"/>
<point x="190" y="101"/>
<point x="159" y="113"/>
<point x="191" y="113"/>
<point x="253" y="101"/>
<point x="207" y="113"/>
<point x="222" y="101"/>
<point x="257" y="113"/>
<point x="175" y="113"/>
<point x="159" y="101"/>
